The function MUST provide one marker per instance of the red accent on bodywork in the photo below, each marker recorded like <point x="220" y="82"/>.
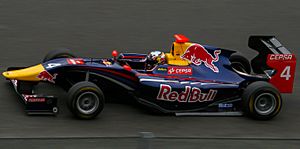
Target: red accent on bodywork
<point x="126" y="67"/>
<point x="146" y="74"/>
<point x="114" y="53"/>
<point x="75" y="61"/>
<point x="179" y="78"/>
<point x="283" y="79"/>
<point x="116" y="73"/>
<point x="134" y="57"/>
<point x="179" y="38"/>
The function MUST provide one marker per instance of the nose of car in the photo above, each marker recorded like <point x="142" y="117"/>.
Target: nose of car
<point x="26" y="74"/>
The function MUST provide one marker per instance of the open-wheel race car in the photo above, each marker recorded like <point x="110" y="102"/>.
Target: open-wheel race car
<point x="191" y="79"/>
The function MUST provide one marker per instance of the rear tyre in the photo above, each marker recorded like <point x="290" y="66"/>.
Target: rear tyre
<point x="261" y="101"/>
<point x="60" y="53"/>
<point x="85" y="100"/>
<point x="240" y="63"/>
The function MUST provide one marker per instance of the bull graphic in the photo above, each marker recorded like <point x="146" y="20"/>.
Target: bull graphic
<point x="46" y="76"/>
<point x="197" y="54"/>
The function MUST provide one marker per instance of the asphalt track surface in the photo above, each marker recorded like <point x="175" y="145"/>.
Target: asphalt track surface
<point x="91" y="28"/>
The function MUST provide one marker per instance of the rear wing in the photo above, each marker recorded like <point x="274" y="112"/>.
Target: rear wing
<point x="274" y="56"/>
<point x="267" y="43"/>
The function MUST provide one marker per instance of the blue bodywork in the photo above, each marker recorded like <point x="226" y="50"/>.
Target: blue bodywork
<point x="146" y="85"/>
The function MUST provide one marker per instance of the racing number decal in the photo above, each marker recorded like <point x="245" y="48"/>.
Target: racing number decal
<point x="285" y="66"/>
<point x="286" y="73"/>
<point x="52" y="65"/>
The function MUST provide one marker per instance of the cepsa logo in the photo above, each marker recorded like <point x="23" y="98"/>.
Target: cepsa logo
<point x="180" y="70"/>
<point x="281" y="57"/>
<point x="190" y="95"/>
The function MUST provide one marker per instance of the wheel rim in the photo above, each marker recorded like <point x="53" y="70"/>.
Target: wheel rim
<point x="265" y="103"/>
<point x="87" y="102"/>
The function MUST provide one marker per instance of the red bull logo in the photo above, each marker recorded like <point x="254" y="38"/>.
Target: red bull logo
<point x="197" y="54"/>
<point x="190" y="94"/>
<point x="46" y="76"/>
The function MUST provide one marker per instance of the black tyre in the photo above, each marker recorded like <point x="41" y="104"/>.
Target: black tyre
<point x="240" y="63"/>
<point x="261" y="100"/>
<point x="85" y="100"/>
<point x="60" y="53"/>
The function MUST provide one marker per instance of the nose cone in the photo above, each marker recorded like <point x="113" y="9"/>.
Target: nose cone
<point x="26" y="74"/>
<point x="6" y="74"/>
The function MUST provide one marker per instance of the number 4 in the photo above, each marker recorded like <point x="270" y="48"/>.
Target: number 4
<point x="286" y="73"/>
<point x="52" y="65"/>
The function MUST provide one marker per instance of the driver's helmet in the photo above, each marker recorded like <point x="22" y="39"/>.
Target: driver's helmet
<point x="156" y="57"/>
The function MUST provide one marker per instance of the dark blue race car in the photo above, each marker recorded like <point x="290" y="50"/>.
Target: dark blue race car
<point x="192" y="79"/>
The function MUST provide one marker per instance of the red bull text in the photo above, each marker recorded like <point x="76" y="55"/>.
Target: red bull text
<point x="190" y="94"/>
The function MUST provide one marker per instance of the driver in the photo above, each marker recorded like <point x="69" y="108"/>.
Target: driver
<point x="154" y="58"/>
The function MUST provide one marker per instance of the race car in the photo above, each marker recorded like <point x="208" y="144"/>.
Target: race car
<point x="192" y="79"/>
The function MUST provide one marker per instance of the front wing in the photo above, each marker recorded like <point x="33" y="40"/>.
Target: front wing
<point x="34" y="104"/>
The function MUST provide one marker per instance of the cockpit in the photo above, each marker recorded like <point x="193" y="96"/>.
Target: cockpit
<point x="153" y="58"/>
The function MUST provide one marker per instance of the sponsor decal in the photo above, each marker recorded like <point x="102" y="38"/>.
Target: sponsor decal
<point x="33" y="98"/>
<point x="162" y="69"/>
<point x="46" y="76"/>
<point x="281" y="56"/>
<point x="15" y="82"/>
<point x="52" y="65"/>
<point x="225" y="105"/>
<point x="190" y="94"/>
<point x="197" y="54"/>
<point x="180" y="70"/>
<point x="26" y="97"/>
<point x="75" y="61"/>
<point x="36" y="99"/>
<point x="106" y="62"/>
<point x="285" y="66"/>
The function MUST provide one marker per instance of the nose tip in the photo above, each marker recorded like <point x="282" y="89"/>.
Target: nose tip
<point x="6" y="74"/>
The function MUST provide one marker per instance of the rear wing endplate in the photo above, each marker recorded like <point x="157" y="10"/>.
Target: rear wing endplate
<point x="274" y="56"/>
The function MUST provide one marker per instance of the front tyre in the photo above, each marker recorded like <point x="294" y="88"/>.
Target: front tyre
<point x="261" y="100"/>
<point x="85" y="100"/>
<point x="59" y="53"/>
